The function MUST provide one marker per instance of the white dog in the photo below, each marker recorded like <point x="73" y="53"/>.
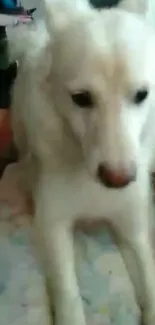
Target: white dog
<point x="84" y="123"/>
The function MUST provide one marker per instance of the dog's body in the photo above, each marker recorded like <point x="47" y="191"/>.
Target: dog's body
<point x="108" y="57"/>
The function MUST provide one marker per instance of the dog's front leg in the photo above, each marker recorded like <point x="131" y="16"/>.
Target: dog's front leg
<point x="134" y="241"/>
<point x="56" y="244"/>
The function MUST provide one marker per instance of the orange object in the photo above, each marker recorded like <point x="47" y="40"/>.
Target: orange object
<point x="5" y="129"/>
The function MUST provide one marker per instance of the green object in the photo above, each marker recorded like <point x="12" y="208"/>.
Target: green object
<point x="99" y="4"/>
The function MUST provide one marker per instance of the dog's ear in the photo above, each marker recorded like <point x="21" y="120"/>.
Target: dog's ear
<point x="137" y="6"/>
<point x="59" y="13"/>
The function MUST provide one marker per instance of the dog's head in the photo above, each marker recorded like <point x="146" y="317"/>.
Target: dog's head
<point x="103" y="83"/>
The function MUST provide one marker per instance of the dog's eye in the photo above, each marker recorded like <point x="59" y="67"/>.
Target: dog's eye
<point x="83" y="99"/>
<point x="140" y="96"/>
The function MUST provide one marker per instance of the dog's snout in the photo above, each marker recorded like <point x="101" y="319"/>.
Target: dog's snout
<point x="116" y="178"/>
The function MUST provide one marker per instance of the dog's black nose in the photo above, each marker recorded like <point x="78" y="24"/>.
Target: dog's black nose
<point x="115" y="178"/>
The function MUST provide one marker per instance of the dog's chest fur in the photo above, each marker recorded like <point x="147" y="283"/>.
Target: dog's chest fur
<point x="83" y="198"/>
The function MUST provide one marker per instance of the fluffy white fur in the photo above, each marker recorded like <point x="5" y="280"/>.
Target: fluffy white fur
<point x="111" y="54"/>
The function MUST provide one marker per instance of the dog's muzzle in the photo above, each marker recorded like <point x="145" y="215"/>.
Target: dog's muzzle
<point x="115" y="178"/>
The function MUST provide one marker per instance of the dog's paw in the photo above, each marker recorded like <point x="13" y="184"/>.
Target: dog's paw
<point x="59" y="321"/>
<point x="148" y="318"/>
<point x="65" y="315"/>
<point x="68" y="320"/>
